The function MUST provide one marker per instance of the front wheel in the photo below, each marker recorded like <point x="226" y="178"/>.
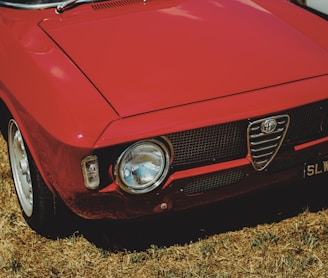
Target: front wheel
<point x="36" y="200"/>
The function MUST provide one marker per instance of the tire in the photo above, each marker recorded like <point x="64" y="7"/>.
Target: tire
<point x="36" y="201"/>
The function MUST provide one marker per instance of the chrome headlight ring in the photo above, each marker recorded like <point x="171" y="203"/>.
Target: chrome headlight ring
<point x="143" y="166"/>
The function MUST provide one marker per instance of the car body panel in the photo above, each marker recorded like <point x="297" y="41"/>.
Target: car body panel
<point x="52" y="85"/>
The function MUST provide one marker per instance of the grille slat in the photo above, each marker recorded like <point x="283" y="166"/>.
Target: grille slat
<point x="269" y="147"/>
<point x="263" y="155"/>
<point x="257" y="135"/>
<point x="264" y="141"/>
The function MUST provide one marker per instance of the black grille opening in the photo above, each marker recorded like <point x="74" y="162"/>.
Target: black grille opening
<point x="206" y="183"/>
<point x="209" y="145"/>
<point x="307" y="123"/>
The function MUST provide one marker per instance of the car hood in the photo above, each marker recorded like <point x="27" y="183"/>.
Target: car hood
<point x="146" y="56"/>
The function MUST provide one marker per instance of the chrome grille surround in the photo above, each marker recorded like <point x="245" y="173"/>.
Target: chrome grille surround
<point x="265" y="137"/>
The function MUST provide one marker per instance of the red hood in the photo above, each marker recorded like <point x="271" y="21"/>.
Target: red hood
<point x="145" y="57"/>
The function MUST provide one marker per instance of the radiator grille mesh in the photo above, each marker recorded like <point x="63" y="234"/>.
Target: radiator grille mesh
<point x="210" y="144"/>
<point x="210" y="182"/>
<point x="307" y="123"/>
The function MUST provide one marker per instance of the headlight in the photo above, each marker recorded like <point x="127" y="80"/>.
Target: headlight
<point x="90" y="170"/>
<point x="142" y="166"/>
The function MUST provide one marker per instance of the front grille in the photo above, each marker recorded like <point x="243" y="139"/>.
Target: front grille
<point x="228" y="141"/>
<point x="209" y="182"/>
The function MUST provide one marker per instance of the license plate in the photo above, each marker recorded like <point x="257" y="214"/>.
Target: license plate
<point x="315" y="169"/>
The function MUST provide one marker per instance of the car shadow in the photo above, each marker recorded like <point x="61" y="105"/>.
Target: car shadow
<point x="268" y="206"/>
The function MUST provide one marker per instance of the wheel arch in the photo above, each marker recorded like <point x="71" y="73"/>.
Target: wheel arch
<point x="6" y="115"/>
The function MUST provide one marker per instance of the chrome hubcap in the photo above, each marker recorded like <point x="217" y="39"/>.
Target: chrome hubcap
<point x="20" y="168"/>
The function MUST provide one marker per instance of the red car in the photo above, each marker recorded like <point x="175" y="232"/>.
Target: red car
<point x="128" y="108"/>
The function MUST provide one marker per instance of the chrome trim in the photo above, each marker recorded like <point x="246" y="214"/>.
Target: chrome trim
<point x="167" y="154"/>
<point x="263" y="145"/>
<point x="65" y="5"/>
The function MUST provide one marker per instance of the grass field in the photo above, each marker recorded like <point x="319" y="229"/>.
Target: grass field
<point x="277" y="233"/>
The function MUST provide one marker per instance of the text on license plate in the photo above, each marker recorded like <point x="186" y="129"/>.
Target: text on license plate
<point x="314" y="169"/>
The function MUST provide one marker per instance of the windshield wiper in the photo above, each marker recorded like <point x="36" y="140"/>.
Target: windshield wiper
<point x="65" y="5"/>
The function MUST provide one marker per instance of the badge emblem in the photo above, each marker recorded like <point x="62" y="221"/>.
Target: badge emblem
<point x="269" y="126"/>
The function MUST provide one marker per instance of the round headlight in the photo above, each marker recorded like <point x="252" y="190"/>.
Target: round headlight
<point x="142" y="166"/>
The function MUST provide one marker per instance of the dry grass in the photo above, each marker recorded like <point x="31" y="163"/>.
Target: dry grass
<point x="233" y="241"/>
